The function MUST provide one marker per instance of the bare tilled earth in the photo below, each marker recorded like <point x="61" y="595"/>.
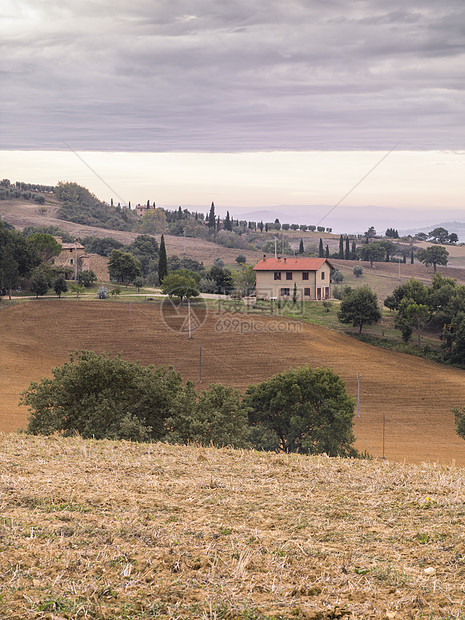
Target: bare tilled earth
<point x="26" y="214"/>
<point x="106" y="530"/>
<point x="414" y="396"/>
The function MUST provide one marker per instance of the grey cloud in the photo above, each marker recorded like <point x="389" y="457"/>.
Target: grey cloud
<point x="241" y="75"/>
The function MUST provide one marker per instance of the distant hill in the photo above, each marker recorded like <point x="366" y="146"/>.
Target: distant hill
<point x="457" y="227"/>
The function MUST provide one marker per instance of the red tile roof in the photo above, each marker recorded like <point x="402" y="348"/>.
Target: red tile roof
<point x="291" y="264"/>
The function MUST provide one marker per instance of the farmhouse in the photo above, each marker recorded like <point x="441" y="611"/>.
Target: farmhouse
<point x="280" y="277"/>
<point x="141" y="209"/>
<point x="73" y="259"/>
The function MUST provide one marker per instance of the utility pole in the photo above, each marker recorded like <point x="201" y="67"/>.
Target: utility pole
<point x="189" y="317"/>
<point x="75" y="261"/>
<point x="358" y="395"/>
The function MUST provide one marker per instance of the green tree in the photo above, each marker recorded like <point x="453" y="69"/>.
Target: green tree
<point x="341" y="247"/>
<point x="337" y="276"/>
<point x="302" y="410"/>
<point x="139" y="283"/>
<point x="123" y="266"/>
<point x="360" y="307"/>
<point x="413" y="289"/>
<point x="60" y="286"/>
<point x="227" y="222"/>
<point x="162" y="261"/>
<point x="301" y="247"/>
<point x="434" y="255"/>
<point x="453" y="238"/>
<point x="152" y="222"/>
<point x="212" y="217"/>
<point x="440" y="235"/>
<point x="347" y="253"/>
<point x="217" y="416"/>
<point x="372" y="252"/>
<point x="392" y="233"/>
<point x="39" y="284"/>
<point x="358" y="271"/>
<point x="244" y="280"/>
<point x="321" y="252"/>
<point x="389" y="248"/>
<point x="241" y="259"/>
<point x="179" y="285"/>
<point x="45" y="246"/>
<point x="102" y="246"/>
<point x="222" y="277"/>
<point x="98" y="396"/>
<point x="86" y="278"/>
<point x="17" y="259"/>
<point x="411" y="315"/>
<point x="459" y="418"/>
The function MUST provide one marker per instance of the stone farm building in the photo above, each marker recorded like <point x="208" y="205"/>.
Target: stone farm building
<point x="74" y="259"/>
<point x="276" y="277"/>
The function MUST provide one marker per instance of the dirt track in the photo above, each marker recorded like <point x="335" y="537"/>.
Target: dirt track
<point x="414" y="395"/>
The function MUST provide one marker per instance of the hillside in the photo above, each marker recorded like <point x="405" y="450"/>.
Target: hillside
<point x="110" y="530"/>
<point x="415" y="396"/>
<point x="22" y="213"/>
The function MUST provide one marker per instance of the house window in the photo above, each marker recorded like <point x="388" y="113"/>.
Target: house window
<point x="285" y="292"/>
<point x="71" y="261"/>
<point x="288" y="275"/>
<point x="322" y="275"/>
<point x="305" y="275"/>
<point x="277" y="275"/>
<point x="306" y="292"/>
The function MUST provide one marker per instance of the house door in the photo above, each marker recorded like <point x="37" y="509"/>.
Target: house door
<point x="318" y="293"/>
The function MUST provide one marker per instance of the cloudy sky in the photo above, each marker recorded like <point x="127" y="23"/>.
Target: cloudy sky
<point x="265" y="83"/>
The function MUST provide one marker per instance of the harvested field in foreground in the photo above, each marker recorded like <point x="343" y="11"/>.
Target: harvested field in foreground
<point x="415" y="396"/>
<point x="105" y="529"/>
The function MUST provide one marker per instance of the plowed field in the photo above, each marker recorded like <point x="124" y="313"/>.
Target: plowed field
<point x="414" y="396"/>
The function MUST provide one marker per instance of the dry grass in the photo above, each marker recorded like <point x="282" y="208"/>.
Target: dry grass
<point x="117" y="530"/>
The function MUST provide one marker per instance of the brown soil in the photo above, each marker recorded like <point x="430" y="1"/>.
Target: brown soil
<point x="414" y="396"/>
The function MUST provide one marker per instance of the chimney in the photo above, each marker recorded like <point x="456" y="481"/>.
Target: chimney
<point x="284" y="259"/>
<point x="264" y="258"/>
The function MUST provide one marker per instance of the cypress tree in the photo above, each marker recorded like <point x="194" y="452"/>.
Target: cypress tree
<point x="347" y="252"/>
<point x="218" y="223"/>
<point x="412" y="259"/>
<point x="354" y="250"/>
<point x="327" y="252"/>
<point x="227" y="222"/>
<point x="301" y="247"/>
<point x="321" y="251"/>
<point x="211" y="217"/>
<point x="261" y="226"/>
<point x="162" y="260"/>
<point x="404" y="258"/>
<point x="341" y="247"/>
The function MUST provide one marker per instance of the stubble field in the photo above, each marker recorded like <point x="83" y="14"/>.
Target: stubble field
<point x="114" y="530"/>
<point x="411" y="396"/>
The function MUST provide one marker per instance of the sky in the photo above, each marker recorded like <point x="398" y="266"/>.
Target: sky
<point x="251" y="103"/>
